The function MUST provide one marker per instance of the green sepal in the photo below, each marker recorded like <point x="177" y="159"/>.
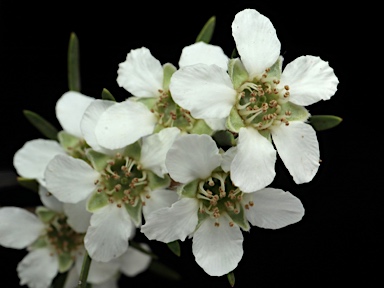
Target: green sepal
<point x="234" y="53"/>
<point x="40" y="242"/>
<point x="46" y="128"/>
<point x="168" y="70"/>
<point x="189" y="190"/>
<point x="231" y="278"/>
<point x="135" y="212"/>
<point x="65" y="262"/>
<point x="67" y="141"/>
<point x="324" y="122"/>
<point x="98" y="160"/>
<point x="148" y="102"/>
<point x="234" y="121"/>
<point x="133" y="150"/>
<point x="206" y="33"/>
<point x="237" y="72"/>
<point x="97" y="201"/>
<point x="45" y="215"/>
<point x="224" y="138"/>
<point x="239" y="218"/>
<point x="28" y="183"/>
<point x="174" y="246"/>
<point x="266" y="134"/>
<point x="73" y="64"/>
<point x="106" y="95"/>
<point x="298" y="113"/>
<point x="156" y="182"/>
<point x="275" y="69"/>
<point x="163" y="271"/>
<point x="201" y="127"/>
<point x="201" y="217"/>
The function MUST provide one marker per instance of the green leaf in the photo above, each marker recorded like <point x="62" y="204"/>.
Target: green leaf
<point x="46" y="128"/>
<point x="106" y="95"/>
<point x="28" y="183"/>
<point x="164" y="271"/>
<point x="73" y="63"/>
<point x="324" y="122"/>
<point x="206" y="33"/>
<point x="231" y="278"/>
<point x="175" y="247"/>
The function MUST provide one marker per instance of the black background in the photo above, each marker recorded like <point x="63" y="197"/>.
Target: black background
<point x="337" y="241"/>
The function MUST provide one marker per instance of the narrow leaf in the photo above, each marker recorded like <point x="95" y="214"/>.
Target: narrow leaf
<point x="106" y="95"/>
<point x="231" y="278"/>
<point x="324" y="122"/>
<point x="206" y="33"/>
<point x="175" y="247"/>
<point x="73" y="64"/>
<point x="46" y="128"/>
<point x="28" y="183"/>
<point x="164" y="271"/>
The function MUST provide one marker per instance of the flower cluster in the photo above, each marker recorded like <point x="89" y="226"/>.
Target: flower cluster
<point x="190" y="154"/>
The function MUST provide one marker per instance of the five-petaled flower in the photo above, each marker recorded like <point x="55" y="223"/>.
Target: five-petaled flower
<point x="260" y="103"/>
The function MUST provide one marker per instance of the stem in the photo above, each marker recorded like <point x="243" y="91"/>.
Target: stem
<point x="84" y="271"/>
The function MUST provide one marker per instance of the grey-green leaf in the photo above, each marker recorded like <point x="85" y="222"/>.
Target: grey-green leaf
<point x="106" y="95"/>
<point x="28" y="183"/>
<point x="175" y="247"/>
<point x="73" y="64"/>
<point x="231" y="278"/>
<point x="324" y="122"/>
<point x="46" y="128"/>
<point x="206" y="33"/>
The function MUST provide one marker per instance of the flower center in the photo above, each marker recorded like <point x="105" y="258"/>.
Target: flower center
<point x="169" y="114"/>
<point x="123" y="181"/>
<point x="62" y="237"/>
<point x="260" y="102"/>
<point x="219" y="196"/>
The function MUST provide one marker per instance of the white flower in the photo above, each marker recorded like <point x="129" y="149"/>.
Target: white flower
<point x="260" y="103"/>
<point x="212" y="209"/>
<point x="151" y="107"/>
<point x="51" y="243"/>
<point x="118" y="189"/>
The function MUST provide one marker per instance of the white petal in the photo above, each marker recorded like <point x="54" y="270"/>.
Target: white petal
<point x="192" y="157"/>
<point x="78" y="215"/>
<point x="228" y="158"/>
<point x="134" y="262"/>
<point x="205" y="90"/>
<point x="217" y="250"/>
<point x="107" y="237"/>
<point x="273" y="208"/>
<point x="31" y="160"/>
<point x="256" y="41"/>
<point x="49" y="200"/>
<point x="155" y="148"/>
<point x="172" y="223"/>
<point x="118" y="125"/>
<point x="18" y="227"/>
<point x="72" y="279"/>
<point x="204" y="53"/>
<point x="310" y="80"/>
<point x="159" y="198"/>
<point x="70" y="109"/>
<point x="298" y="147"/>
<point x="70" y="179"/>
<point x="38" y="268"/>
<point x="89" y="121"/>
<point x="253" y="167"/>
<point x="216" y="124"/>
<point x="141" y="74"/>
